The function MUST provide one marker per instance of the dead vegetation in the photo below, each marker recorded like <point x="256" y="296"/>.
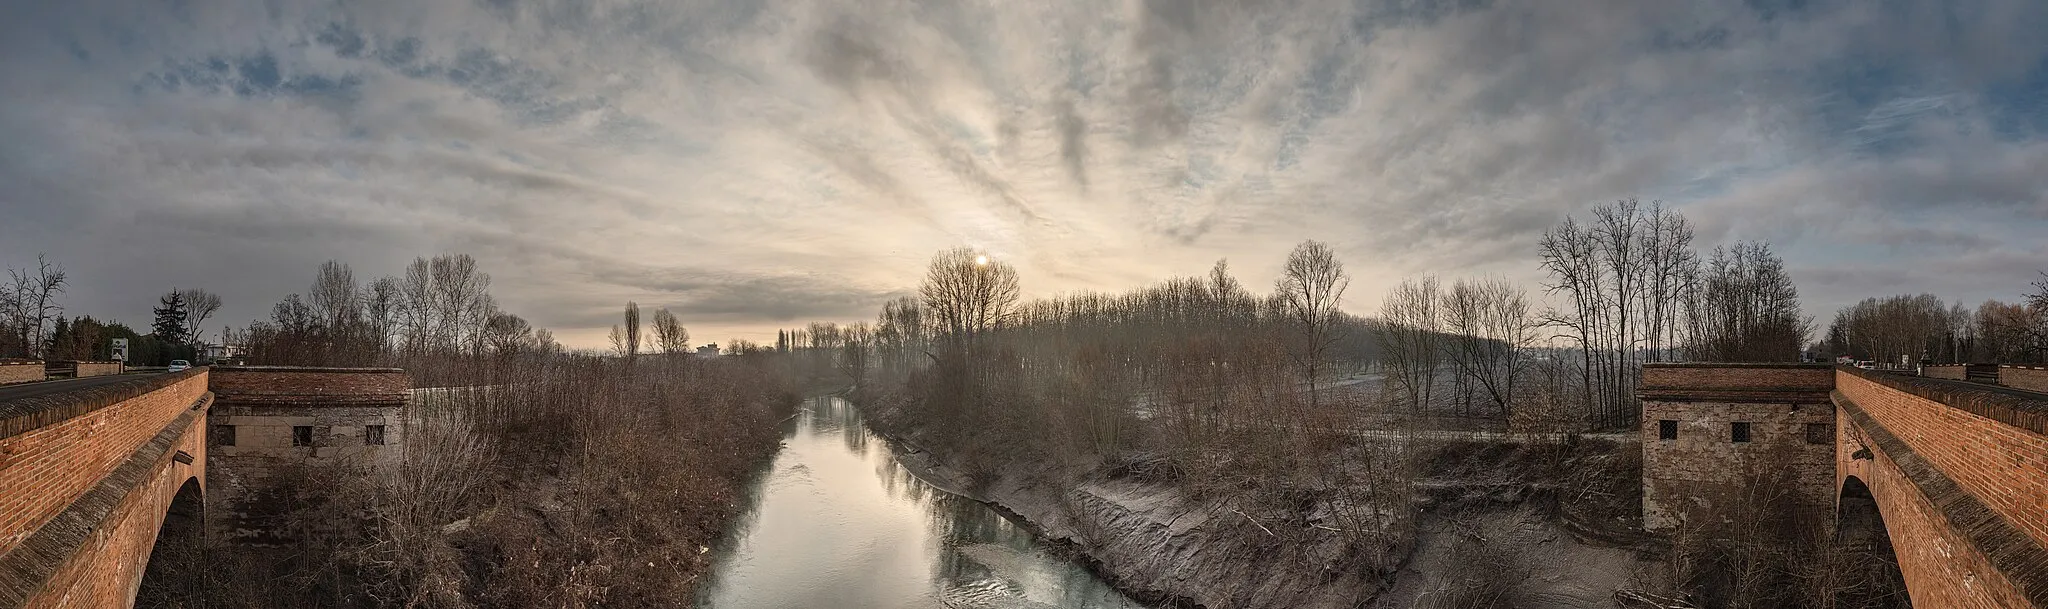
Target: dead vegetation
<point x="1757" y="544"/>
<point x="588" y="484"/>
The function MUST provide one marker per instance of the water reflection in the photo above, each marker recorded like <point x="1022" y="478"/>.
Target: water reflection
<point x="837" y="523"/>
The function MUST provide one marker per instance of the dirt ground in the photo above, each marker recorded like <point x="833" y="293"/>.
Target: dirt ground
<point x="1513" y="551"/>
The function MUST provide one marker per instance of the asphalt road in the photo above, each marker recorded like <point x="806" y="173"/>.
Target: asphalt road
<point x="29" y="390"/>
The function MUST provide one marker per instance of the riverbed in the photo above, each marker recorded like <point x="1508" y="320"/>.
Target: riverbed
<point x="838" y="523"/>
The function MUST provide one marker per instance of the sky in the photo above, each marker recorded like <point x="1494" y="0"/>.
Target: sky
<point x="754" y="165"/>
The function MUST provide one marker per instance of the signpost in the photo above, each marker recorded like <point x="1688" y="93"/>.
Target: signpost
<point x="119" y="350"/>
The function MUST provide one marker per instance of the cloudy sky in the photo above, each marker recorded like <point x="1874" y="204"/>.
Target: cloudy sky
<point x="760" y="164"/>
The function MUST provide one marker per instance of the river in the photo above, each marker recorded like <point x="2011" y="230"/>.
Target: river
<point x="837" y="523"/>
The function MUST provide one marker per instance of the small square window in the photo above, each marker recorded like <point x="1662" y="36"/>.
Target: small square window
<point x="1739" y="432"/>
<point x="1667" y="430"/>
<point x="1820" y="433"/>
<point x="302" y="435"/>
<point x="373" y="435"/>
<point x="223" y="435"/>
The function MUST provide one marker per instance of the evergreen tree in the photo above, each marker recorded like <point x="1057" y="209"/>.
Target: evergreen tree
<point x="170" y="318"/>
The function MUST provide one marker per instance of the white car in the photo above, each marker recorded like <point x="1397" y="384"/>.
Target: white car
<point x="178" y="364"/>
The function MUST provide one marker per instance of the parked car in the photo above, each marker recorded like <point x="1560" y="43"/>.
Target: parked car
<point x="178" y="364"/>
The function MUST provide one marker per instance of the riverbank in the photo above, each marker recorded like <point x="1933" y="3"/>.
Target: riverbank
<point x="1149" y="540"/>
<point x="1479" y="505"/>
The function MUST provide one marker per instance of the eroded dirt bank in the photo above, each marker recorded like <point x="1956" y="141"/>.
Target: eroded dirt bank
<point x="1482" y="523"/>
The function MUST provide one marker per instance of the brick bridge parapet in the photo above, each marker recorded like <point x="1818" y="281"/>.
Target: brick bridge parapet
<point x="1958" y="471"/>
<point x="86" y="478"/>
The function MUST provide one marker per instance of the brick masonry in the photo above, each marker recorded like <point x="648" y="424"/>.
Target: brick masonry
<point x="98" y="368"/>
<point x="257" y="385"/>
<point x="1791" y="432"/>
<point x="2000" y="464"/>
<point x="89" y="475"/>
<point x="1959" y="470"/>
<point x="2030" y="378"/>
<point x="1953" y="549"/>
<point x="20" y="371"/>
<point x="351" y="415"/>
<point x="46" y="467"/>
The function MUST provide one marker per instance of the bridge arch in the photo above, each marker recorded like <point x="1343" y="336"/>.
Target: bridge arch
<point x="1865" y="558"/>
<point x="175" y="575"/>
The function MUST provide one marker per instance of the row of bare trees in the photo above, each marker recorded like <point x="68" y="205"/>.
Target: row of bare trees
<point x="438" y="311"/>
<point x="1477" y="337"/>
<point x="1634" y="290"/>
<point x="1908" y="329"/>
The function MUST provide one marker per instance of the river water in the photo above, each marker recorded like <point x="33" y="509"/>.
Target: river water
<point x="837" y="523"/>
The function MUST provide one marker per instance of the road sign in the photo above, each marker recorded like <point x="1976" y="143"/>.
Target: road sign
<point x="119" y="351"/>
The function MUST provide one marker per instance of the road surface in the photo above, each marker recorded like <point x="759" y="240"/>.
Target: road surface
<point x="10" y="393"/>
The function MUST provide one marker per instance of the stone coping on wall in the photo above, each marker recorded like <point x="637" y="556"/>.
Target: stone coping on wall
<point x="26" y="569"/>
<point x="1762" y="365"/>
<point x="2023" y="366"/>
<point x="21" y="415"/>
<point x="1807" y="396"/>
<point x="1741" y="382"/>
<point x="300" y="386"/>
<point x="2022" y="561"/>
<point x="85" y="361"/>
<point x="21" y="362"/>
<point x="2023" y="409"/>
<point x="359" y="370"/>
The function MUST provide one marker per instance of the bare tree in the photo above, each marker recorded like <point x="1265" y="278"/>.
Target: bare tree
<point x="1893" y="330"/>
<point x="416" y="308"/>
<point x="2036" y="330"/>
<point x="333" y="296"/>
<point x="1490" y="328"/>
<point x="1308" y="293"/>
<point x="967" y="293"/>
<point x="626" y="338"/>
<point x="900" y="335"/>
<point x="508" y="334"/>
<point x="1747" y="309"/>
<point x="669" y="335"/>
<point x="199" y="305"/>
<point x="857" y="347"/>
<point x="31" y="303"/>
<point x="383" y="307"/>
<point x="1621" y="276"/>
<point x="1411" y="341"/>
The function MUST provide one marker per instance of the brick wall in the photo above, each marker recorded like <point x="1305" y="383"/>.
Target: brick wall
<point x="1958" y="428"/>
<point x="1953" y="372"/>
<point x="1943" y="561"/>
<point x="260" y="406"/>
<point x="249" y="385"/>
<point x="86" y="369"/>
<point x="108" y="566"/>
<point x="1688" y="475"/>
<point x="1738" y="377"/>
<point x="2030" y="378"/>
<point x="20" y="371"/>
<point x="60" y="446"/>
<point x="1701" y="469"/>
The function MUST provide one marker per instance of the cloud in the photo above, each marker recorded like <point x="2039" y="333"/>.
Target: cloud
<point x="755" y="164"/>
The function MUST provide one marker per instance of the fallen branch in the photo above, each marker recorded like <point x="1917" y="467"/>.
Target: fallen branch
<point x="1254" y="521"/>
